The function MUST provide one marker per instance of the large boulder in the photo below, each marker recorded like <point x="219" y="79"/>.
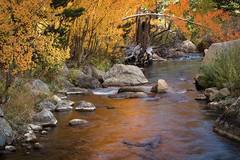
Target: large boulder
<point x="44" y="118"/>
<point x="124" y="75"/>
<point x="219" y="48"/>
<point x="6" y="133"/>
<point x="38" y="87"/>
<point x="187" y="47"/>
<point x="86" y="81"/>
<point x="228" y="124"/>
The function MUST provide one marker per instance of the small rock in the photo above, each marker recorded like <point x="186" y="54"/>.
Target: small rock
<point x="77" y="122"/>
<point x="10" y="148"/>
<point x="30" y="137"/>
<point x="37" y="146"/>
<point x="63" y="106"/>
<point x="212" y="94"/>
<point x="44" y="132"/>
<point x="85" y="106"/>
<point x="224" y="92"/>
<point x="56" y="99"/>
<point x="35" y="127"/>
<point x="47" y="104"/>
<point x="201" y="97"/>
<point x="161" y="87"/>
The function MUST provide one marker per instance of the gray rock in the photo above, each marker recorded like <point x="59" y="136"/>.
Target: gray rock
<point x="1" y="112"/>
<point x="212" y="94"/>
<point x="86" y="81"/>
<point x="201" y="97"/>
<point x="77" y="122"/>
<point x="38" y="87"/>
<point x="64" y="106"/>
<point x="45" y="118"/>
<point x="55" y="99"/>
<point x="10" y="148"/>
<point x="47" y="104"/>
<point x="129" y="95"/>
<point x="187" y="47"/>
<point x="30" y="137"/>
<point x="228" y="124"/>
<point x="220" y="48"/>
<point x="224" y="92"/>
<point x="85" y="107"/>
<point x="44" y="132"/>
<point x="160" y="87"/>
<point x="6" y="133"/>
<point x="35" y="127"/>
<point x="124" y="75"/>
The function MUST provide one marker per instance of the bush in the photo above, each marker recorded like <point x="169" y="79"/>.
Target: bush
<point x="20" y="107"/>
<point x="224" y="71"/>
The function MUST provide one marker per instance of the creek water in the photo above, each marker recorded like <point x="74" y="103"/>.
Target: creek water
<point x="171" y="126"/>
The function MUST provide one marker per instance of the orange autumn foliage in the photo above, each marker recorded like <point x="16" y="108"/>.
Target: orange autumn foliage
<point x="218" y="22"/>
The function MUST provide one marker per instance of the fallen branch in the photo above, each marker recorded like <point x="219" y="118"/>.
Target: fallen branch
<point x="162" y="15"/>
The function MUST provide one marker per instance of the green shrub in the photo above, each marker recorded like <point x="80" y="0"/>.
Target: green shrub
<point x="224" y="71"/>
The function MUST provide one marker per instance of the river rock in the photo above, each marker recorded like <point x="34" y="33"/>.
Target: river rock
<point x="46" y="104"/>
<point x="85" y="107"/>
<point x="146" y="89"/>
<point x="188" y="47"/>
<point x="64" y="106"/>
<point x="56" y="99"/>
<point x="77" y="122"/>
<point x="1" y="113"/>
<point x="155" y="57"/>
<point x="30" y="137"/>
<point x="34" y="127"/>
<point x="44" y="118"/>
<point x="86" y="81"/>
<point x="160" y="87"/>
<point x="222" y="105"/>
<point x="228" y="124"/>
<point x="6" y="133"/>
<point x="124" y="75"/>
<point x="10" y="148"/>
<point x="212" y="94"/>
<point x="220" y="48"/>
<point x="128" y="95"/>
<point x="38" y="87"/>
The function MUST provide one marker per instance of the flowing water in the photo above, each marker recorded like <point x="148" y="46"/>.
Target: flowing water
<point x="170" y="126"/>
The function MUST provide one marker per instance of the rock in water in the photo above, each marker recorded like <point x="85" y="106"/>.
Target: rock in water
<point x="34" y="127"/>
<point x="124" y="75"/>
<point x="85" y="107"/>
<point x="77" y="122"/>
<point x="10" y="148"/>
<point x="30" y="137"/>
<point x="45" y="118"/>
<point x="212" y="94"/>
<point x="188" y="47"/>
<point x="161" y="87"/>
<point x="6" y="133"/>
<point x="228" y="124"/>
<point x="64" y="106"/>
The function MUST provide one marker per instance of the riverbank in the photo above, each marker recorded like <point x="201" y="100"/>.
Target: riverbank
<point x="181" y="123"/>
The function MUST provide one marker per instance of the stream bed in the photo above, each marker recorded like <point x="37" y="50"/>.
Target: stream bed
<point x="171" y="126"/>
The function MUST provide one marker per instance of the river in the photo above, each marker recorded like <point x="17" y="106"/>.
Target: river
<point x="171" y="126"/>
